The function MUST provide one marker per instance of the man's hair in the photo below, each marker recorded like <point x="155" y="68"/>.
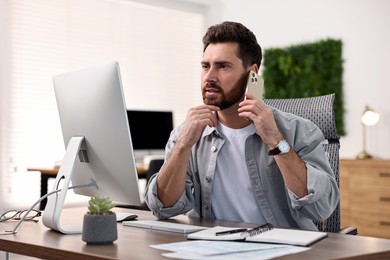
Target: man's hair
<point x="249" y="49"/>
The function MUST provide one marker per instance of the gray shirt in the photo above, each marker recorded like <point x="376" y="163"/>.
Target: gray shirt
<point x="279" y="205"/>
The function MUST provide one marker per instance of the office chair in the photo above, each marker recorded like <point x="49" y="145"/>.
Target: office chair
<point x="154" y="166"/>
<point x="320" y="111"/>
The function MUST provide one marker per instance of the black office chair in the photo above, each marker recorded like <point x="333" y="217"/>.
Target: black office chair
<point x="154" y="167"/>
<point x="320" y="111"/>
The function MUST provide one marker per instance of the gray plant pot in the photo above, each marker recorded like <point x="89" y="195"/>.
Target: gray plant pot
<point x="99" y="229"/>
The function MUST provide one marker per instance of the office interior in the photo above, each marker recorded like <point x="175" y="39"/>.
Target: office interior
<point x="361" y="25"/>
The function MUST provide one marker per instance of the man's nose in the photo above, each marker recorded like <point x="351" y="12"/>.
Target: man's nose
<point x="210" y="75"/>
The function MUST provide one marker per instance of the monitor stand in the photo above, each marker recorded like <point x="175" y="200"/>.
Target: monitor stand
<point x="55" y="203"/>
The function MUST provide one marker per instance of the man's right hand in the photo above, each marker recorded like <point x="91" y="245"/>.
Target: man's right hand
<point x="197" y="119"/>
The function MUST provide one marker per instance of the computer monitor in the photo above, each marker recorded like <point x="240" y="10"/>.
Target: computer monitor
<point x="150" y="131"/>
<point x="96" y="133"/>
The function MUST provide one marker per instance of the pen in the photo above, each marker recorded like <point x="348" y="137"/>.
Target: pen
<point x="233" y="231"/>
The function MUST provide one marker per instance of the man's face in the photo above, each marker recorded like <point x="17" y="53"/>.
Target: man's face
<point x="223" y="75"/>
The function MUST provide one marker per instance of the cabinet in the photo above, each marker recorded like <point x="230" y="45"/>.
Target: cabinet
<point x="365" y="196"/>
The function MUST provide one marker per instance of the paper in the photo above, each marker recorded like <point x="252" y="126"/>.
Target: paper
<point x="227" y="250"/>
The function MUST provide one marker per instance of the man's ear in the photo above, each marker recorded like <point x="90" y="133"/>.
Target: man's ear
<point x="255" y="68"/>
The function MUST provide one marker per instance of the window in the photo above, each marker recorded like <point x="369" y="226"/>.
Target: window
<point x="158" y="49"/>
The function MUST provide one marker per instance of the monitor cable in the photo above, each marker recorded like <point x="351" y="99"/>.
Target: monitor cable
<point x="15" y="230"/>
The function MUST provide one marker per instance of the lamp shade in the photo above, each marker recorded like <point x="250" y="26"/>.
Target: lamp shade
<point x="370" y="117"/>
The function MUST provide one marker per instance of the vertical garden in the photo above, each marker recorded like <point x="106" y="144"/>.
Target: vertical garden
<point x="306" y="70"/>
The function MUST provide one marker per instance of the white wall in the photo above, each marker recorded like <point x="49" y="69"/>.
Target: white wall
<point x="363" y="27"/>
<point x="4" y="77"/>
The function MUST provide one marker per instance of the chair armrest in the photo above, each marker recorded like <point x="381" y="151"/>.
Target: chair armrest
<point x="348" y="231"/>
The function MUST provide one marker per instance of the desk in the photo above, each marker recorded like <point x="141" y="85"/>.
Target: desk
<point x="46" y="174"/>
<point x="34" y="239"/>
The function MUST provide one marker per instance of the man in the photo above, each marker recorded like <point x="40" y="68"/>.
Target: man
<point x="217" y="162"/>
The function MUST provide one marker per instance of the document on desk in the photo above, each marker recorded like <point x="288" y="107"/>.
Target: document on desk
<point x="272" y="235"/>
<point x="228" y="250"/>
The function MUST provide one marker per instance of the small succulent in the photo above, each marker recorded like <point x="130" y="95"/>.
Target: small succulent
<point x="100" y="205"/>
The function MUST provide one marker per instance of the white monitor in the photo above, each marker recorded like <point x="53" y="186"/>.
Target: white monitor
<point x="95" y="127"/>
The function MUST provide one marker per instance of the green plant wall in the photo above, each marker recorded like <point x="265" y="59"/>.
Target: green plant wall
<point x="306" y="70"/>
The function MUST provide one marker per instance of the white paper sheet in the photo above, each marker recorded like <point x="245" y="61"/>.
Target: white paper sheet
<point x="201" y="249"/>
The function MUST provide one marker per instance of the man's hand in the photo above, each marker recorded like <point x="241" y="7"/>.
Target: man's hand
<point x="197" y="119"/>
<point x="263" y="119"/>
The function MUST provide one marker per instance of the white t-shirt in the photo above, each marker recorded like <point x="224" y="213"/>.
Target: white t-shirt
<point x="232" y="195"/>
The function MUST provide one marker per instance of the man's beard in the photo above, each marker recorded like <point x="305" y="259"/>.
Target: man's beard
<point x="227" y="99"/>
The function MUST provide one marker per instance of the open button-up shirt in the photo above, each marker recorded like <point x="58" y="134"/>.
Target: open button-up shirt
<point x="279" y="205"/>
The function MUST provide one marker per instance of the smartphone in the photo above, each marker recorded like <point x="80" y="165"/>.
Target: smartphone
<point x="255" y="85"/>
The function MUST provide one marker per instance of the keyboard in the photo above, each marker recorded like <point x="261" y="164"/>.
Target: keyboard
<point x="164" y="226"/>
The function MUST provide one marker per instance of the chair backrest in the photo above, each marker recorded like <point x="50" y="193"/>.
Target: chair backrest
<point x="320" y="111"/>
<point x="154" y="166"/>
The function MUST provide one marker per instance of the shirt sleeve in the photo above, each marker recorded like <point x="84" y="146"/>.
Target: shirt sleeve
<point x="323" y="191"/>
<point x="184" y="204"/>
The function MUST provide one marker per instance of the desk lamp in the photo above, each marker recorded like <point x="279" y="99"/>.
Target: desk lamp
<point x="369" y="118"/>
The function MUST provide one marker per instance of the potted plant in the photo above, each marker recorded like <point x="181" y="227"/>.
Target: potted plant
<point x="99" y="225"/>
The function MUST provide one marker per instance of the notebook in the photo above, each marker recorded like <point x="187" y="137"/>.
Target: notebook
<point x="265" y="235"/>
<point x="164" y="226"/>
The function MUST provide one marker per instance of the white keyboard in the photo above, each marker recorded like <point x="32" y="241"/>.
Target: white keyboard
<point x="164" y="226"/>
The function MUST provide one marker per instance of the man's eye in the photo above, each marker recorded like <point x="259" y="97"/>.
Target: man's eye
<point x="223" y="66"/>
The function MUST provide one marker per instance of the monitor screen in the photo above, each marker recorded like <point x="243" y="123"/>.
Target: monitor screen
<point x="150" y="130"/>
<point x="94" y="123"/>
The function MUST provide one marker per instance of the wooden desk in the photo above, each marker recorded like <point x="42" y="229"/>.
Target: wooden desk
<point x="34" y="239"/>
<point x="46" y="174"/>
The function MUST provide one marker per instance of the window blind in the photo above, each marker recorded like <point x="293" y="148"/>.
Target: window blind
<point x="158" y="49"/>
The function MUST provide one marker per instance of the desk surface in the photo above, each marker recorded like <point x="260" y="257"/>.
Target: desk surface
<point x="141" y="170"/>
<point x="34" y="239"/>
